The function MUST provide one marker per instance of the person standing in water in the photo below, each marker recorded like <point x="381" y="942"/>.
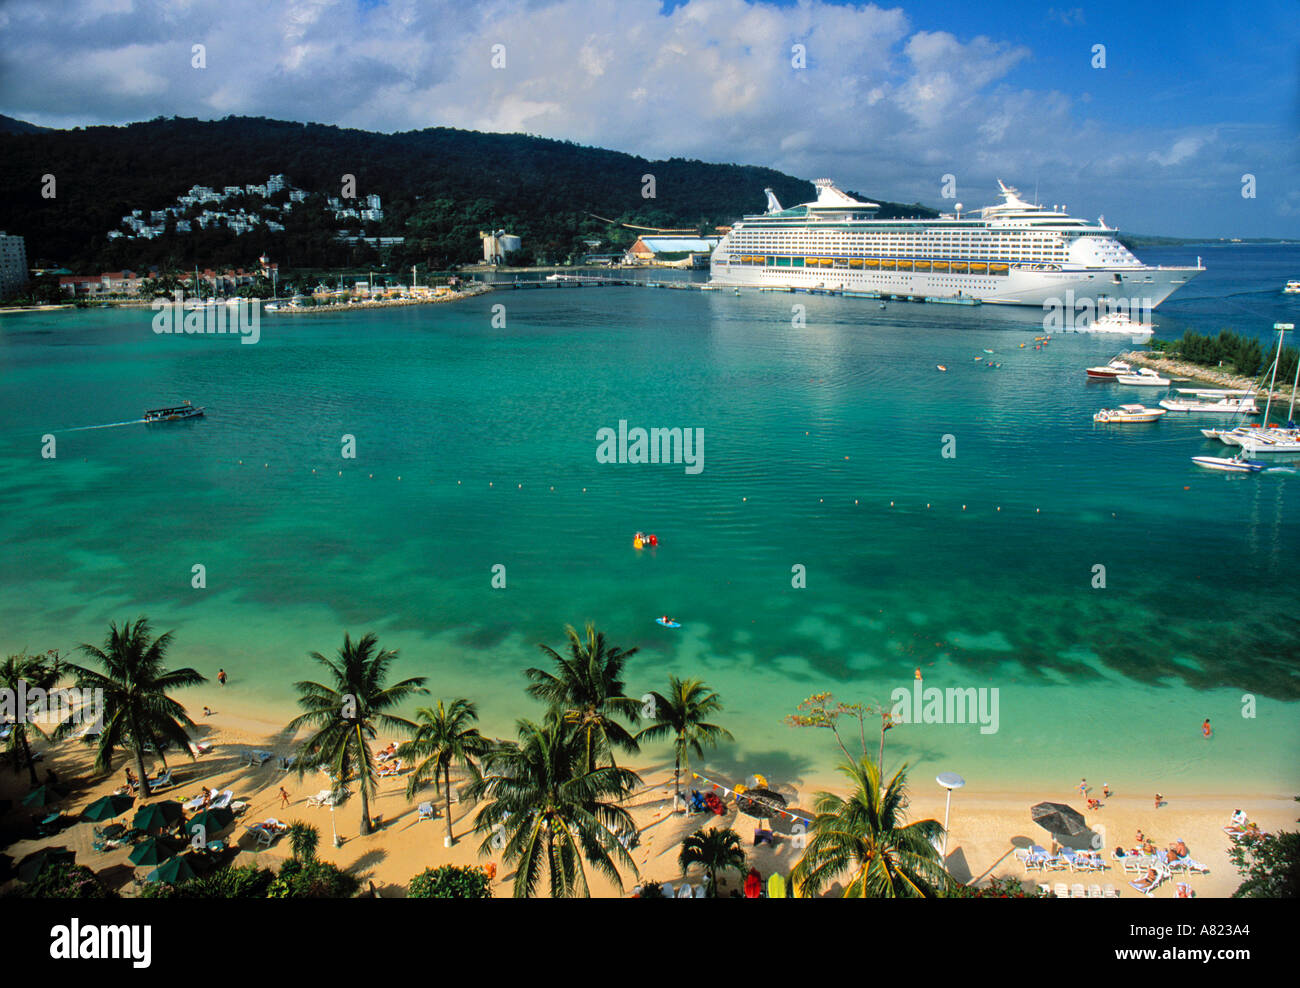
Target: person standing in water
<point x="1205" y="728"/>
<point x="221" y="676"/>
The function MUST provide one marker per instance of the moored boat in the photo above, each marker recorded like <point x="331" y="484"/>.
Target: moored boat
<point x="1144" y="378"/>
<point x="1225" y="403"/>
<point x="1110" y="372"/>
<point x="1128" y="413"/>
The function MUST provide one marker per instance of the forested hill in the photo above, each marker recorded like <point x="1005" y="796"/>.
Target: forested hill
<point x="439" y="188"/>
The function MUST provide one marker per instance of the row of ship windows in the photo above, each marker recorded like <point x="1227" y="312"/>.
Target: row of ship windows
<point x="994" y="268"/>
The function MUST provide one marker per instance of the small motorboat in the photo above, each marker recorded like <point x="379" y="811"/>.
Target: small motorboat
<point x="1233" y="464"/>
<point x="1111" y="371"/>
<point x="1128" y="413"/>
<point x="1144" y="378"/>
<point x="173" y="414"/>
<point x="1292" y="288"/>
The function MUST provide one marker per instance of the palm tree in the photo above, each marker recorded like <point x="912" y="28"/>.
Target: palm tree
<point x="548" y="812"/>
<point x="303" y="841"/>
<point x="865" y="837"/>
<point x="587" y="691"/>
<point x="443" y="737"/>
<point x="136" y="708"/>
<point x="716" y="850"/>
<point x="20" y="675"/>
<point x="680" y="713"/>
<point x="344" y="714"/>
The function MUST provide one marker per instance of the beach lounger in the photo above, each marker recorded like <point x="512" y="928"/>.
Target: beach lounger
<point x="222" y="802"/>
<point x="668" y="890"/>
<point x="201" y="747"/>
<point x="323" y="798"/>
<point x="1071" y="859"/>
<point x="391" y="768"/>
<point x="1109" y="892"/>
<point x="1077" y="891"/>
<point x="1191" y="865"/>
<point x="1183" y="891"/>
<point x="1062" y="890"/>
<point x="258" y="758"/>
<point x="684" y="892"/>
<point x="194" y="804"/>
<point x="1023" y="854"/>
<point x="162" y="782"/>
<point x="287" y="764"/>
<point x="1145" y="887"/>
<point x="426" y="811"/>
<point x="259" y="833"/>
<point x="699" y="892"/>
<point x="1045" y="889"/>
<point x="1094" y="892"/>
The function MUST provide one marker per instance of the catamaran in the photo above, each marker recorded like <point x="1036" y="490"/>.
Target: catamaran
<point x="1227" y="402"/>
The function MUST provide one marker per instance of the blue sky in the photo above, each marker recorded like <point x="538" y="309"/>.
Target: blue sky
<point x="892" y="97"/>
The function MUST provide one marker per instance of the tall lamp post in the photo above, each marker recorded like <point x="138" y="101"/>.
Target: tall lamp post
<point x="950" y="781"/>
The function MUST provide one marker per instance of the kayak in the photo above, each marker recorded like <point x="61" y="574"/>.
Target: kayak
<point x="668" y="624"/>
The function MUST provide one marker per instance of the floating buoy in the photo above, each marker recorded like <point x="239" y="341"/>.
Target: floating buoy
<point x="941" y="367"/>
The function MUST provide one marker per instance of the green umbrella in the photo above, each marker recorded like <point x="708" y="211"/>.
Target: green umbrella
<point x="44" y="795"/>
<point x="212" y="821"/>
<point x="153" y="851"/>
<point x="107" y="807"/>
<point x="174" y="871"/>
<point x="31" y="867"/>
<point x="157" y="816"/>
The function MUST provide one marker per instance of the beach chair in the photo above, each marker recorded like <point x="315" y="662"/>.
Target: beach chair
<point x="201" y="747"/>
<point x="1094" y="892"/>
<point x="1191" y="865"/>
<point x="684" y="892"/>
<point x="668" y="890"/>
<point x="323" y="798"/>
<point x="700" y="891"/>
<point x="222" y="801"/>
<point x="1071" y="859"/>
<point x="390" y="768"/>
<point x="1077" y="891"/>
<point x="1109" y="892"/>
<point x="1023" y="854"/>
<point x="260" y="834"/>
<point x="1045" y="889"/>
<point x="287" y="764"/>
<point x="1183" y="891"/>
<point x="1145" y="887"/>
<point x="1062" y="890"/>
<point x="194" y="804"/>
<point x="426" y="811"/>
<point x="162" y="782"/>
<point x="259" y="758"/>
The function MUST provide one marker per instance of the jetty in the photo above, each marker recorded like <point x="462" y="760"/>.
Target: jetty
<point x="1214" y="375"/>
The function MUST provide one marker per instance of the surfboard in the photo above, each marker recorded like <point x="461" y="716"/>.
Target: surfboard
<point x="776" y="886"/>
<point x="668" y="624"/>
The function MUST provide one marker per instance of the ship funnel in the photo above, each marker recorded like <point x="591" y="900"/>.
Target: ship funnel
<point x="773" y="204"/>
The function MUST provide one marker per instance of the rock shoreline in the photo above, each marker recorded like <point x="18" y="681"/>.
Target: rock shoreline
<point x="1213" y="375"/>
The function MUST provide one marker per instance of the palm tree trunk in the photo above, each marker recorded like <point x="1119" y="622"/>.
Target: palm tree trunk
<point x="27" y="753"/>
<point x="145" y="791"/>
<point x="363" y="767"/>
<point x="880" y="764"/>
<point x="446" y="785"/>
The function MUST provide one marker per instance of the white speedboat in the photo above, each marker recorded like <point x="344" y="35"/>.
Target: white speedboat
<point x="1128" y="413"/>
<point x="1144" y="378"/>
<point x="1292" y="288"/>
<point x="1229" y="437"/>
<point x="1117" y="322"/>
<point x="1111" y="371"/>
<point x="1232" y="465"/>
<point x="1274" y="442"/>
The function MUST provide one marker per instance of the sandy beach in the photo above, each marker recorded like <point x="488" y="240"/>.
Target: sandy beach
<point x="985" y="828"/>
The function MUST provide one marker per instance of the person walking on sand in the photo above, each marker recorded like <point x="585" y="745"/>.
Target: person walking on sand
<point x="284" y="799"/>
<point x="1105" y="790"/>
<point x="1158" y="799"/>
<point x="221" y="676"/>
<point x="1083" y="787"/>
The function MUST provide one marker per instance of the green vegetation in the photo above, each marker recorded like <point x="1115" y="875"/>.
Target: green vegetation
<point x="439" y="186"/>
<point x="444" y="737"/>
<point x="65" y="880"/>
<point x="243" y="882"/>
<point x="717" y="851"/>
<point x="865" y="837"/>
<point x="312" y="880"/>
<point x="32" y="672"/>
<point x="137" y="710"/>
<point x="450" y="882"/>
<point x="679" y="713"/>
<point x="303" y="841"/>
<point x="1245" y="355"/>
<point x="997" y="888"/>
<point x="344" y="715"/>
<point x="1269" y="865"/>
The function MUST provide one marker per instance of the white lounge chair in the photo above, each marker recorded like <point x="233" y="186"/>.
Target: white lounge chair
<point x="426" y="811"/>
<point x="1062" y="890"/>
<point x="259" y="833"/>
<point x="1147" y="887"/>
<point x="323" y="798"/>
<point x="162" y="782"/>
<point x="223" y="800"/>
<point x="390" y="768"/>
<point x="1183" y="891"/>
<point x="699" y="891"/>
<point x="1109" y="892"/>
<point x="1094" y="892"/>
<point x="1077" y="891"/>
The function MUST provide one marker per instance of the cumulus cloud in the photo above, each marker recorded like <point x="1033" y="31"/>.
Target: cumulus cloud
<point x="872" y="100"/>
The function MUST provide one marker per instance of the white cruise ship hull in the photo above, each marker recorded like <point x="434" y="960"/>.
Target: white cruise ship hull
<point x="1144" y="287"/>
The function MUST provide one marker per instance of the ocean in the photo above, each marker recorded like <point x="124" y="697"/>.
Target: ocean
<point x="947" y="523"/>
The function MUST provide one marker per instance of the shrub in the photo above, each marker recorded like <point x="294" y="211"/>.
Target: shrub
<point x="652" y="890"/>
<point x="312" y="880"/>
<point x="450" y="882"/>
<point x="66" y="880"/>
<point x="244" y="882"/>
<point x="997" y="888"/>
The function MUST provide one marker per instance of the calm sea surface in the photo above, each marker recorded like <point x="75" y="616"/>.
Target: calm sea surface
<point x="476" y="447"/>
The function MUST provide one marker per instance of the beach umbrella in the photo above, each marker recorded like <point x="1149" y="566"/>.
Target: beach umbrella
<point x="153" y="851"/>
<point x="173" y="871"/>
<point x="107" y="807"/>
<point x="157" y="816"/>
<point x="31" y="867"/>
<point x="1057" y="818"/>
<point x="212" y="821"/>
<point x="44" y="795"/>
<point x="760" y="803"/>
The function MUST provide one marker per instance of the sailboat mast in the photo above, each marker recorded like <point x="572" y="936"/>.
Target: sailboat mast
<point x="1281" y="331"/>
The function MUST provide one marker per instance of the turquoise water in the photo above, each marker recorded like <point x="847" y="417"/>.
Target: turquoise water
<point x="810" y="433"/>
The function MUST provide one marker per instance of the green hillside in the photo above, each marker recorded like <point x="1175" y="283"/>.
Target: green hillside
<point x="439" y="188"/>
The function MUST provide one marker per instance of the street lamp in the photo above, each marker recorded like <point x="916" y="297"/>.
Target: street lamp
<point x="950" y="781"/>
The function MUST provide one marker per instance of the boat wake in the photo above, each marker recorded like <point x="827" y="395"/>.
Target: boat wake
<point x="109" y="425"/>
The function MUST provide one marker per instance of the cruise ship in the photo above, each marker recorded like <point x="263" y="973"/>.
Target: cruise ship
<point x="1015" y="253"/>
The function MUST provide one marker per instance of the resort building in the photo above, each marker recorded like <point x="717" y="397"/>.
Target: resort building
<point x="675" y="252"/>
<point x="13" y="263"/>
